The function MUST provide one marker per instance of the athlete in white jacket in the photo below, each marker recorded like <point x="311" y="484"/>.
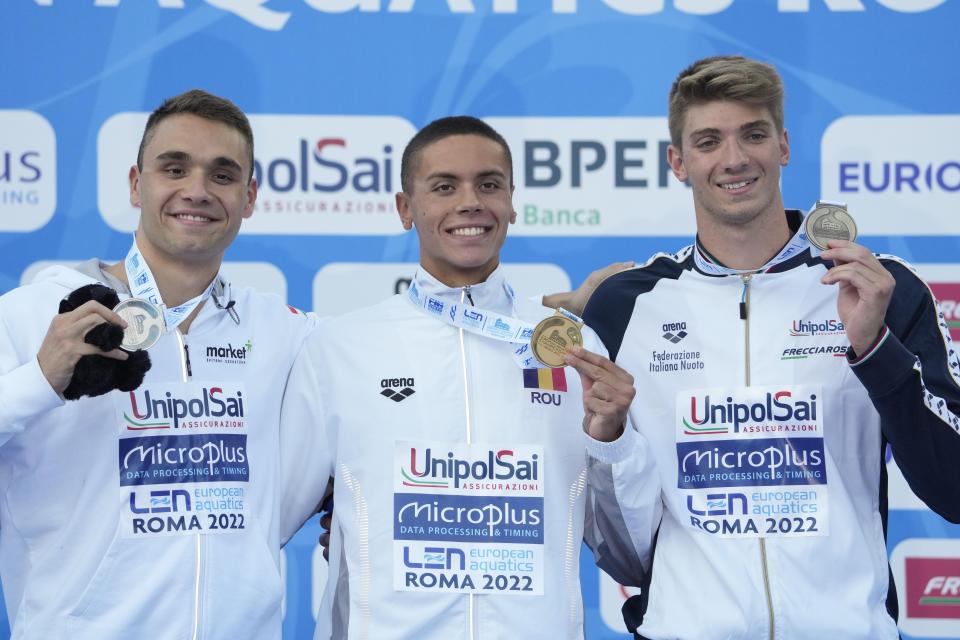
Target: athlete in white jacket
<point x="151" y="513"/>
<point x="772" y="378"/>
<point x="460" y="469"/>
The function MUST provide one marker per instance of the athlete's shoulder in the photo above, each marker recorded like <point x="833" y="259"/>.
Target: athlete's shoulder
<point x="624" y="286"/>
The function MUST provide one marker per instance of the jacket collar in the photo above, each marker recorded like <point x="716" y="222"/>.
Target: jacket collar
<point x="493" y="294"/>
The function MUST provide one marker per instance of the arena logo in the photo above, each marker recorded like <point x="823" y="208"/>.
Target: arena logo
<point x="261" y="14"/>
<point x="28" y="179"/>
<point x="600" y="176"/>
<point x="321" y="175"/>
<point x="913" y="167"/>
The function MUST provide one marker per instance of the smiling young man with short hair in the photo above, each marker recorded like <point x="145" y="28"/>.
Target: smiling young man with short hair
<point x="151" y="513"/>
<point x="771" y="378"/>
<point x="460" y="493"/>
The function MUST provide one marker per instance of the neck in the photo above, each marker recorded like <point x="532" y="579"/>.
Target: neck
<point x="177" y="281"/>
<point x="461" y="278"/>
<point x="744" y="247"/>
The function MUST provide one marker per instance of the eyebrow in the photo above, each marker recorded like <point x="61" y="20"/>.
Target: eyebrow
<point x="183" y="156"/>
<point x="756" y="124"/>
<point x="446" y="175"/>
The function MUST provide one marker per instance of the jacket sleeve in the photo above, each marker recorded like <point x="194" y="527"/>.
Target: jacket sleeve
<point x="24" y="391"/>
<point x="306" y="454"/>
<point x="623" y="506"/>
<point x="912" y="375"/>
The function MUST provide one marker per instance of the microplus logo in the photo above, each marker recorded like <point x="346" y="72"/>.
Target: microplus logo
<point x="28" y="177"/>
<point x="708" y="416"/>
<point x="428" y="470"/>
<point x="320" y="175"/>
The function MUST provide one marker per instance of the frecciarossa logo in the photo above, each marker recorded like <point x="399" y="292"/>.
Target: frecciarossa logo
<point x="712" y="416"/>
<point x="205" y="407"/>
<point x="428" y="470"/>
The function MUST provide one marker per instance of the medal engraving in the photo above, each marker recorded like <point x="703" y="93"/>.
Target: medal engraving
<point x="829" y="222"/>
<point x="144" y="323"/>
<point x="553" y="337"/>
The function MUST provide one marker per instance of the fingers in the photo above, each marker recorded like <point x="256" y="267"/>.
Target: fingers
<point x="608" y="389"/>
<point x="64" y="343"/>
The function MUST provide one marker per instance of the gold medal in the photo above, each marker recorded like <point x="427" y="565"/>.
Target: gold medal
<point x="553" y="337"/>
<point x="144" y="323"/>
<point x="829" y="221"/>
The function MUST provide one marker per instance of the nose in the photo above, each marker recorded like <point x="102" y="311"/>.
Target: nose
<point x="470" y="201"/>
<point x="193" y="187"/>
<point x="734" y="155"/>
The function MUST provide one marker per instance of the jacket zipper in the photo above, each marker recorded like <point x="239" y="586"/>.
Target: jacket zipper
<point x="465" y="295"/>
<point x="745" y="316"/>
<point x="187" y="373"/>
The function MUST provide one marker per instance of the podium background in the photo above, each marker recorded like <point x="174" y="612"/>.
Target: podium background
<point x="336" y="87"/>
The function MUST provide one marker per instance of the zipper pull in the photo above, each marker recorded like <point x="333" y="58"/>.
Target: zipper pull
<point x="466" y="291"/>
<point x="743" y="296"/>
<point x="186" y="353"/>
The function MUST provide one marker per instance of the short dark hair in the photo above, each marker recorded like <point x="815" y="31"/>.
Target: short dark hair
<point x="205" y="105"/>
<point x="444" y="128"/>
<point x="732" y="78"/>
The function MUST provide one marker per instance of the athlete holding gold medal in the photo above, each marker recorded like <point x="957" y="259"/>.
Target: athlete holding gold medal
<point x="457" y="446"/>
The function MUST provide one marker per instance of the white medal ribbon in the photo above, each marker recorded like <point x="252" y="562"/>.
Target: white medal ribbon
<point x="144" y="286"/>
<point x="489" y="324"/>
<point x="797" y="244"/>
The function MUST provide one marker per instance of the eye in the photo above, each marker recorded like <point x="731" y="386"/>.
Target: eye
<point x="757" y="136"/>
<point x="489" y="185"/>
<point x="443" y="187"/>
<point x="222" y="177"/>
<point x="174" y="171"/>
<point x="707" y="144"/>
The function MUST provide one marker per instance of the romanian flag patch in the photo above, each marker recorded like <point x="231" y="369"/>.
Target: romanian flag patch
<point x="548" y="379"/>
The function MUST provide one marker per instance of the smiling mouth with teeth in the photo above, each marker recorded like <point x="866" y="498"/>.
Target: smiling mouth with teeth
<point x="468" y="231"/>
<point x="192" y="218"/>
<point x="736" y="185"/>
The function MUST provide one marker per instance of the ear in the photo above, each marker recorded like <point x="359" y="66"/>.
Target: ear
<point x="251" y="198"/>
<point x="134" y="178"/>
<point x="675" y="160"/>
<point x="784" y="148"/>
<point x="404" y="210"/>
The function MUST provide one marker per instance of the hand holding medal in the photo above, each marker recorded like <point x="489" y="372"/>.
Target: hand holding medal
<point x="865" y="285"/>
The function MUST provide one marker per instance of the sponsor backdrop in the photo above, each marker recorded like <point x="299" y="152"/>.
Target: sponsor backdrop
<point x="336" y="87"/>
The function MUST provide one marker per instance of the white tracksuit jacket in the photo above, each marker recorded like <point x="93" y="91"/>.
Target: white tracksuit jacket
<point x="118" y="522"/>
<point x="694" y="342"/>
<point x="396" y="401"/>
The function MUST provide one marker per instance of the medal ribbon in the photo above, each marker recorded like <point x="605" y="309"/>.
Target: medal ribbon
<point x="797" y="244"/>
<point x="143" y="285"/>
<point x="485" y="323"/>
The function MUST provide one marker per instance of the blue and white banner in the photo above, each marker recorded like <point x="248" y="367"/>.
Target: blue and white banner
<point x="335" y="88"/>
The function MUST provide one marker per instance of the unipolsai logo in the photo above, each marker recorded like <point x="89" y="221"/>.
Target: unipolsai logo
<point x="327" y="174"/>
